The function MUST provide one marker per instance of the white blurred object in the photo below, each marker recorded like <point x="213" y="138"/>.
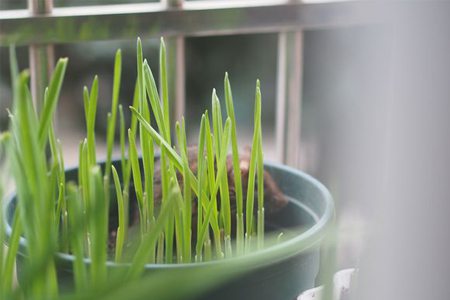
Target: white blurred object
<point x="341" y="280"/>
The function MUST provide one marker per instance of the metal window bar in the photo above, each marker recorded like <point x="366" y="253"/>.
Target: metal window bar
<point x="289" y="97"/>
<point x="42" y="25"/>
<point x="177" y="59"/>
<point x="41" y="56"/>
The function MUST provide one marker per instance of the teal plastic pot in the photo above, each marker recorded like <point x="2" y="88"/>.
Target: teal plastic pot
<point x="279" y="272"/>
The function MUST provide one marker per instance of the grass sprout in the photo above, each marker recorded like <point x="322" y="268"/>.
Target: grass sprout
<point x="191" y="221"/>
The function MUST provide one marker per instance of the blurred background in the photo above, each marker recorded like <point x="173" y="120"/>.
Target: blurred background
<point x="372" y="116"/>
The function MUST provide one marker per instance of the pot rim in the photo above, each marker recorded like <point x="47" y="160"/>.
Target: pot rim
<point x="280" y="251"/>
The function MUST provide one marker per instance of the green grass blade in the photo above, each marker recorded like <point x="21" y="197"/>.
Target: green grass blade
<point x="166" y="190"/>
<point x="225" y="141"/>
<point x="125" y="170"/>
<point x="51" y="100"/>
<point x="211" y="213"/>
<point x="62" y="191"/>
<point x="164" y="86"/>
<point x="260" y="176"/>
<point x="13" y="247"/>
<point x="217" y="121"/>
<point x="61" y="214"/>
<point x="14" y="69"/>
<point x="160" y="141"/>
<point x="201" y="208"/>
<point x="83" y="173"/>
<point x="53" y="146"/>
<point x="160" y="249"/>
<point x="4" y="139"/>
<point x="93" y="99"/>
<point x="224" y="191"/>
<point x="141" y="256"/>
<point x="134" y="122"/>
<point x="236" y="167"/>
<point x="98" y="221"/>
<point x="221" y="166"/>
<point x="123" y="158"/>
<point x="201" y="170"/>
<point x="155" y="103"/>
<point x="120" y="238"/>
<point x="86" y="105"/>
<point x="76" y="221"/>
<point x="209" y="155"/>
<point x="187" y="211"/>
<point x="253" y="163"/>
<point x="59" y="185"/>
<point x="177" y="222"/>
<point x="148" y="157"/>
<point x="218" y="132"/>
<point x="203" y="230"/>
<point x="136" y="104"/>
<point x="179" y="237"/>
<point x="27" y="138"/>
<point x="32" y="166"/>
<point x="147" y="208"/>
<point x="114" y="104"/>
<point x="137" y="178"/>
<point x="140" y="74"/>
<point x="33" y="182"/>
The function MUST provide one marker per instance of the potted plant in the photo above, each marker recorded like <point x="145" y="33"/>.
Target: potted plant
<point x="225" y="223"/>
